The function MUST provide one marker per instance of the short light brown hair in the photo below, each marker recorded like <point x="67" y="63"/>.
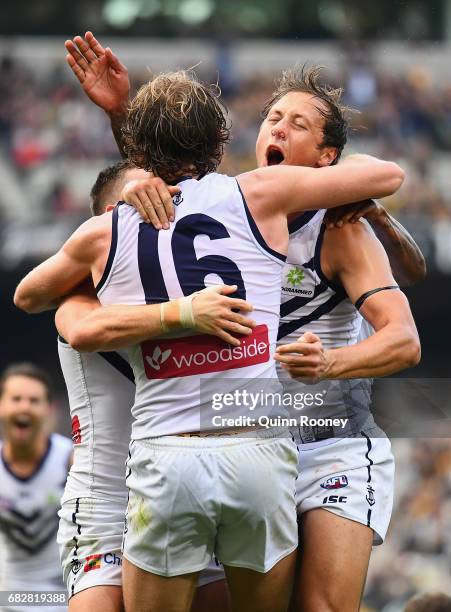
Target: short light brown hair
<point x="29" y="370"/>
<point x="429" y="602"/>
<point x="307" y="79"/>
<point x="102" y="190"/>
<point x="176" y="123"/>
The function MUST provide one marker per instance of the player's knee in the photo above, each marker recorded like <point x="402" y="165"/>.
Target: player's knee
<point x="326" y="602"/>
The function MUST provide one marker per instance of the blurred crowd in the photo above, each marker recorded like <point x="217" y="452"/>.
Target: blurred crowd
<point x="416" y="555"/>
<point x="53" y="141"/>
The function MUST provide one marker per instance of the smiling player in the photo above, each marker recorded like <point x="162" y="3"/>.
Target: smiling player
<point x="33" y="469"/>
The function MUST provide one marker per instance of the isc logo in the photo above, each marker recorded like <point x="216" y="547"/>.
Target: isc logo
<point x="334" y="499"/>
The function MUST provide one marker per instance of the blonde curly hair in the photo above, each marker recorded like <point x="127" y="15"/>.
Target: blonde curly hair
<point x="176" y="124"/>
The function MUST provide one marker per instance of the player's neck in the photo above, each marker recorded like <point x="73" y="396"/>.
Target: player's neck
<point x="23" y="458"/>
<point x="185" y="173"/>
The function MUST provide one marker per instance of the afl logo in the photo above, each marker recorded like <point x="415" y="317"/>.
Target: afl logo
<point x="335" y="482"/>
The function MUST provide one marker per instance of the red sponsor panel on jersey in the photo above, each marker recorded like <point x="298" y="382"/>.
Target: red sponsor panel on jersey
<point x="203" y="354"/>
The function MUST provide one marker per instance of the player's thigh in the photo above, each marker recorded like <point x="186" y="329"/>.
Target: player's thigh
<point x="262" y="592"/>
<point x="334" y="553"/>
<point x="213" y="596"/>
<point x="148" y="592"/>
<point x="106" y="597"/>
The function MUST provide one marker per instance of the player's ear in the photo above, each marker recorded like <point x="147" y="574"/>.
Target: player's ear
<point x="328" y="154"/>
<point x="110" y="207"/>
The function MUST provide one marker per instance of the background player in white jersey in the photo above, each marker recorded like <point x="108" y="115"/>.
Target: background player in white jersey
<point x="101" y="391"/>
<point x="182" y="139"/>
<point x="322" y="138"/>
<point x="33" y="470"/>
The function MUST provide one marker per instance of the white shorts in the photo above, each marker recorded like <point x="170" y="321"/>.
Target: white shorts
<point x="192" y="497"/>
<point x="352" y="477"/>
<point x="90" y="539"/>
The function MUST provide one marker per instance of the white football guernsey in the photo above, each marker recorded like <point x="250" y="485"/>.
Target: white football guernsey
<point x="29" y="519"/>
<point x="310" y="302"/>
<point x="213" y="240"/>
<point x="101" y="392"/>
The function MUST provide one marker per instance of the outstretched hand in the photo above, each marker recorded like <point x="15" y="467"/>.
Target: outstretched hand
<point x="103" y="77"/>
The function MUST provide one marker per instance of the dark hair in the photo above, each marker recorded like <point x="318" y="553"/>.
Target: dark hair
<point x="102" y="189"/>
<point x="306" y="79"/>
<point x="29" y="370"/>
<point x="176" y="124"/>
<point x="429" y="602"/>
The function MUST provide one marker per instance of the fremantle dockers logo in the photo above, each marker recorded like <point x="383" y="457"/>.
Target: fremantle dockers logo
<point x="335" y="482"/>
<point x="76" y="566"/>
<point x="370" y="497"/>
<point x="177" y="199"/>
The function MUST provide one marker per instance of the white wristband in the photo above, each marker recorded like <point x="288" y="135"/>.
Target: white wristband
<point x="164" y="327"/>
<point x="187" y="320"/>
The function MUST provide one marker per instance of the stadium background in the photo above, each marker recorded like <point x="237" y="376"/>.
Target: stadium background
<point x="392" y="58"/>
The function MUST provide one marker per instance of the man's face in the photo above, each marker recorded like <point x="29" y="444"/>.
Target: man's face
<point x="24" y="409"/>
<point x="292" y="133"/>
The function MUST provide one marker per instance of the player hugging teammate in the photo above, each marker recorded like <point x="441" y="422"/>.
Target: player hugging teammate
<point x="231" y="494"/>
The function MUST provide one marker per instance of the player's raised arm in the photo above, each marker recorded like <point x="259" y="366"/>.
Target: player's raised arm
<point x="43" y="287"/>
<point x="87" y="326"/>
<point x="103" y="78"/>
<point x="290" y="189"/>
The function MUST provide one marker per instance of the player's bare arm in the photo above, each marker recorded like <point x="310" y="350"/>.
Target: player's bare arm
<point x="87" y="326"/>
<point x="83" y="254"/>
<point x="271" y="192"/>
<point x="103" y="78"/>
<point x="277" y="191"/>
<point x="291" y="189"/>
<point x="353" y="257"/>
<point x="406" y="259"/>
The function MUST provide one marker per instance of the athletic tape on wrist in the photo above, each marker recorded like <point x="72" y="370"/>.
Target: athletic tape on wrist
<point x="186" y="311"/>
<point x="164" y="327"/>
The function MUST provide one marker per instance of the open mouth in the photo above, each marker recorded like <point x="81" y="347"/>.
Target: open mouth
<point x="22" y="421"/>
<point x="274" y="156"/>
